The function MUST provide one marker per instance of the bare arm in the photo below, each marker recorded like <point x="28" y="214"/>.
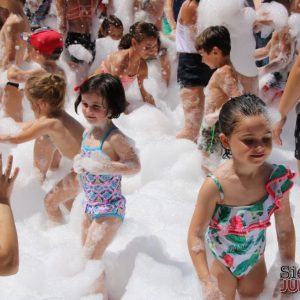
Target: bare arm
<point x="292" y="90"/>
<point x="285" y="231"/>
<point x="263" y="52"/>
<point x="142" y="75"/>
<point x="61" y="8"/>
<point x="128" y="163"/>
<point x="17" y="75"/>
<point x="288" y="100"/>
<point x="206" y="203"/>
<point x="30" y="130"/>
<point x="9" y="250"/>
<point x="169" y="14"/>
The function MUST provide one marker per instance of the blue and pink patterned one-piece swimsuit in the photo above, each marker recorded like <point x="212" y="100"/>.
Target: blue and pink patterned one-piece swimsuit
<point x="103" y="195"/>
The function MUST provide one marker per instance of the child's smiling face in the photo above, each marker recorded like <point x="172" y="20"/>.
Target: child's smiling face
<point x="94" y="108"/>
<point x="251" y="140"/>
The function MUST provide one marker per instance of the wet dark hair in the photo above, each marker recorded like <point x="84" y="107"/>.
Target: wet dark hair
<point x="236" y="108"/>
<point x="111" y="20"/>
<point x="55" y="55"/>
<point x="108" y="87"/>
<point x="139" y="31"/>
<point x="214" y="36"/>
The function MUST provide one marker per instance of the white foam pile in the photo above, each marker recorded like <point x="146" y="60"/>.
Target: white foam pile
<point x="148" y="259"/>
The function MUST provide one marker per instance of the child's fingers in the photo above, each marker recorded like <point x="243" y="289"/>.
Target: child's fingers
<point x="15" y="174"/>
<point x="8" y="166"/>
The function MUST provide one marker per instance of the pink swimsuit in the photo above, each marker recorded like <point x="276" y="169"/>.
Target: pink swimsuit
<point x="126" y="79"/>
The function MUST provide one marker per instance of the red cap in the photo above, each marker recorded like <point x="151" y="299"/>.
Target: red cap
<point x="45" y="41"/>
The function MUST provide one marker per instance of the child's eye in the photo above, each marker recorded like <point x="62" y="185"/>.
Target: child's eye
<point x="267" y="140"/>
<point x="85" y="105"/>
<point x="248" y="142"/>
<point x="98" y="107"/>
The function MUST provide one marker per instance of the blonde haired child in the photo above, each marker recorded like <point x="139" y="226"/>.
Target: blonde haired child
<point x="61" y="132"/>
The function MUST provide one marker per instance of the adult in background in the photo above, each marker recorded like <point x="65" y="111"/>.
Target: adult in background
<point x="75" y="22"/>
<point x="289" y="99"/>
<point x="13" y="51"/>
<point x="192" y="74"/>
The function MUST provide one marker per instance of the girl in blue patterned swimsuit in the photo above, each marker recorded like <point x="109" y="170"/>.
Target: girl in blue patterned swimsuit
<point x="235" y="205"/>
<point x="106" y="155"/>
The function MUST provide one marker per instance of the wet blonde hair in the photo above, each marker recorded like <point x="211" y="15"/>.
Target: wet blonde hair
<point x="50" y="88"/>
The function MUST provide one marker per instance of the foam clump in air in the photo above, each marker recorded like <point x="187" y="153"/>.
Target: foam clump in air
<point x="239" y="20"/>
<point x="79" y="52"/>
<point x="272" y="11"/>
<point x="294" y="25"/>
<point x="9" y="127"/>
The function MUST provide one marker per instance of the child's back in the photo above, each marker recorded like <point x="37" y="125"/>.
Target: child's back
<point x="225" y="83"/>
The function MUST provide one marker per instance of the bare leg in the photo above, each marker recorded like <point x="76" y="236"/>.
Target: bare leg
<point x="12" y="103"/>
<point x="193" y="105"/>
<point x="99" y="235"/>
<point x="250" y="286"/>
<point x="43" y="154"/>
<point x="64" y="191"/>
<point x="96" y="236"/>
<point x="227" y="283"/>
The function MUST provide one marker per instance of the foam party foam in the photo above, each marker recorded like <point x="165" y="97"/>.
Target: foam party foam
<point x="149" y="258"/>
<point x="272" y="11"/>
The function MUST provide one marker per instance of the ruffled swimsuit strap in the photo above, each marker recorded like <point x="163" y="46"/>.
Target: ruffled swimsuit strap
<point x="218" y="184"/>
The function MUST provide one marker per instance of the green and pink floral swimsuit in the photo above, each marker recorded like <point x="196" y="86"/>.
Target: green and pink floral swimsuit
<point x="237" y="234"/>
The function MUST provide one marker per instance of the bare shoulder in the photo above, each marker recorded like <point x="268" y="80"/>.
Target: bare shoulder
<point x="209" y="193"/>
<point x="54" y="124"/>
<point x="225" y="70"/>
<point x="117" y="136"/>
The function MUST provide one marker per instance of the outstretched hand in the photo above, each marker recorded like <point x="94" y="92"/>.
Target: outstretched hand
<point x="277" y="130"/>
<point x="7" y="179"/>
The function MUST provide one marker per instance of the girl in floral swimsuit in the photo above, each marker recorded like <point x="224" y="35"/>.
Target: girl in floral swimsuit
<point x="235" y="205"/>
<point x="106" y="155"/>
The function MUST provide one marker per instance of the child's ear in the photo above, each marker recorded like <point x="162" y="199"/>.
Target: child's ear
<point x="216" y="50"/>
<point x="133" y="42"/>
<point x="43" y="105"/>
<point x="224" y="140"/>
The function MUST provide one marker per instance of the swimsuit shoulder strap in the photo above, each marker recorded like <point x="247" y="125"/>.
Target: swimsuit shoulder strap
<point x="218" y="184"/>
<point x="108" y="132"/>
<point x="85" y="134"/>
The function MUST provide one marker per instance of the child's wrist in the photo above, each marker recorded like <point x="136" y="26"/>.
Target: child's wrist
<point x="4" y="200"/>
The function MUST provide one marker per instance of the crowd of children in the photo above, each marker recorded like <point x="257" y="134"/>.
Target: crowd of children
<point x="223" y="114"/>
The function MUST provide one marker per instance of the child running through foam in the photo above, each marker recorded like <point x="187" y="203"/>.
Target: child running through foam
<point x="130" y="64"/>
<point x="236" y="202"/>
<point x="106" y="155"/>
<point x="44" y="47"/>
<point x="214" y="45"/>
<point x="46" y="95"/>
